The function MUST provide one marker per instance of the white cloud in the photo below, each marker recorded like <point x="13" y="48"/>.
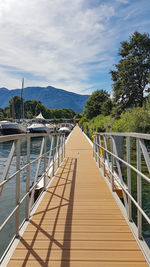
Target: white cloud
<point x="52" y="39"/>
<point x="60" y="42"/>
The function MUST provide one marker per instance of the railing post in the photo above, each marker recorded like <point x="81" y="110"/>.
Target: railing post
<point x="129" y="178"/>
<point x="112" y="166"/>
<point x="28" y="177"/>
<point x="98" y="141"/>
<point x="53" y="162"/>
<point x="104" y="157"/>
<point x="58" y="150"/>
<point x="17" y="187"/>
<point x="61" y="148"/>
<point x="139" y="189"/>
<point x="93" y="146"/>
<point x="45" y="175"/>
<point x="64" y="147"/>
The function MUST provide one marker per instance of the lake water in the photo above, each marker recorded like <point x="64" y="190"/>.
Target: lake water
<point x="8" y="197"/>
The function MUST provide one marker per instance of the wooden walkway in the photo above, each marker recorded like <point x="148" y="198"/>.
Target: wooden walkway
<point x="78" y="223"/>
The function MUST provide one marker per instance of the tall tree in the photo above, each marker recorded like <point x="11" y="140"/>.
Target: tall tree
<point x="15" y="107"/>
<point x="95" y="103"/>
<point x="133" y="70"/>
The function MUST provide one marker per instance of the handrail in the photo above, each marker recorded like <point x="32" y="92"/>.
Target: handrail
<point x="112" y="158"/>
<point x="52" y="158"/>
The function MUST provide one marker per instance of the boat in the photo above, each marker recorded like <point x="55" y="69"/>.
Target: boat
<point x="8" y="128"/>
<point x="65" y="130"/>
<point x="37" y="128"/>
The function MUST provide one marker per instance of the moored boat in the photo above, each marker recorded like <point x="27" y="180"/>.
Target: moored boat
<point x="37" y="128"/>
<point x="8" y="128"/>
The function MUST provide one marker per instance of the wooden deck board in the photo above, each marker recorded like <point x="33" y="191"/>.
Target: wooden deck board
<point x="78" y="223"/>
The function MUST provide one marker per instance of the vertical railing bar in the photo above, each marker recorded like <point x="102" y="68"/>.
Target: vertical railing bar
<point x="61" y="148"/>
<point x="120" y="174"/>
<point x="93" y="146"/>
<point x="106" y="153"/>
<point x="104" y="156"/>
<point x="139" y="189"/>
<point x="7" y="167"/>
<point x="64" y="146"/>
<point x="112" y="166"/>
<point x="58" y="150"/>
<point x="53" y="162"/>
<point x="37" y="171"/>
<point x="28" y="177"/>
<point x="129" y="178"/>
<point x="17" y="187"/>
<point x="45" y="157"/>
<point x="57" y="155"/>
<point x="145" y="153"/>
<point x="98" y="141"/>
<point x="51" y="139"/>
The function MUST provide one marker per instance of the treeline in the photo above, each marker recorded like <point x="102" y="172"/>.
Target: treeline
<point x="31" y="109"/>
<point x="128" y="108"/>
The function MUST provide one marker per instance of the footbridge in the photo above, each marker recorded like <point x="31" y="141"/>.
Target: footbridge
<point x="80" y="221"/>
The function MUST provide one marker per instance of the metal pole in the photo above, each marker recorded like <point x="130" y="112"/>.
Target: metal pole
<point x="129" y="178"/>
<point x="45" y="176"/>
<point x="64" y="147"/>
<point x="17" y="187"/>
<point x="61" y="148"/>
<point x="58" y="147"/>
<point x="28" y="177"/>
<point x="104" y="157"/>
<point x="98" y="141"/>
<point x="139" y="189"/>
<point x="53" y="162"/>
<point x="112" y="167"/>
<point x="93" y="146"/>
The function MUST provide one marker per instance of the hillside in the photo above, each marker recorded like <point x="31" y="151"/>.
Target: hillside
<point x="50" y="97"/>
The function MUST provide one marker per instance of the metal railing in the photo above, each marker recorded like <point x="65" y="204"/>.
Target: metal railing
<point x="112" y="152"/>
<point x="52" y="153"/>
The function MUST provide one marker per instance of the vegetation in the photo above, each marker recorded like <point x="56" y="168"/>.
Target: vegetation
<point x="132" y="72"/>
<point x="98" y="103"/>
<point x="129" y="108"/>
<point x="31" y="109"/>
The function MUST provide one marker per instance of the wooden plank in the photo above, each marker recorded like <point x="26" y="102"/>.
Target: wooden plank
<point x="31" y="263"/>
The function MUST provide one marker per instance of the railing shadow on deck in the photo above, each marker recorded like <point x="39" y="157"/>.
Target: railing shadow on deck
<point x="69" y="169"/>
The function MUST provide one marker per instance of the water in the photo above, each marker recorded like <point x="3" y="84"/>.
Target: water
<point x="8" y="197"/>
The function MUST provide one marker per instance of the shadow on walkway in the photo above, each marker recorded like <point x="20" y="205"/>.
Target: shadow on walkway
<point x="61" y="195"/>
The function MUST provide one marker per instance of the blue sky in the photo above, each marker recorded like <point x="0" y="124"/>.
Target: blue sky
<point x="67" y="44"/>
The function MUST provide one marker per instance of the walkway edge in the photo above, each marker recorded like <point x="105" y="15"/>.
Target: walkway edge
<point x="141" y="243"/>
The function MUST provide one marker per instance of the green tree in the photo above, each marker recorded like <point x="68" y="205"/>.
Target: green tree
<point x="132" y="72"/>
<point x="107" y="107"/>
<point x="94" y="103"/>
<point x="40" y="108"/>
<point x="29" y="107"/>
<point x="15" y="107"/>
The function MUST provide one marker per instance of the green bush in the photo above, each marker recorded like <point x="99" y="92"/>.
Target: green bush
<point x="133" y="120"/>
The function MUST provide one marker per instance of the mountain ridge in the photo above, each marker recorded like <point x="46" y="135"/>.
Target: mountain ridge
<point x="50" y="97"/>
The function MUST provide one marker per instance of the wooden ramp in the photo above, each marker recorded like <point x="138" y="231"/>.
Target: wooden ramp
<point x="78" y="223"/>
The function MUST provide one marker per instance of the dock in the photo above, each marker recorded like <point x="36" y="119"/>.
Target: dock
<point x="78" y="222"/>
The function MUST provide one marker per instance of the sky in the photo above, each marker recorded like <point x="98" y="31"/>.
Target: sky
<point x="68" y="44"/>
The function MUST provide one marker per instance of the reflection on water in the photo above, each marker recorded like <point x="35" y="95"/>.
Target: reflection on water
<point x="8" y="197"/>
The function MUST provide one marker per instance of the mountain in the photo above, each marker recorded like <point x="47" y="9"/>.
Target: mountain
<point x="50" y="97"/>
